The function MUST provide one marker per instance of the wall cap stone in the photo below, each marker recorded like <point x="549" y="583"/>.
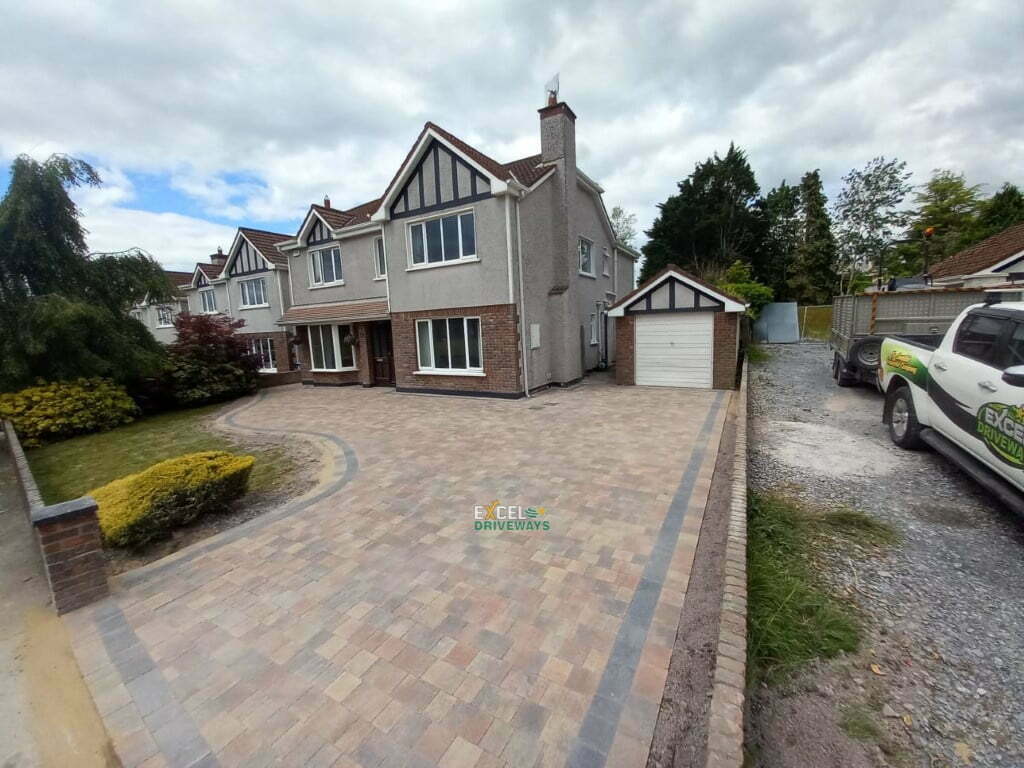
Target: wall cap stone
<point x="65" y="510"/>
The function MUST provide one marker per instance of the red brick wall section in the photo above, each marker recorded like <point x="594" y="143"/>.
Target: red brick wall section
<point x="72" y="552"/>
<point x="625" y="357"/>
<point x="282" y="349"/>
<point x="723" y="374"/>
<point x="331" y="378"/>
<point x="363" y="360"/>
<point x="501" y="352"/>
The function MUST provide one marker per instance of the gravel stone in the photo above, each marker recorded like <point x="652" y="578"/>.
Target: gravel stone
<point x="946" y="606"/>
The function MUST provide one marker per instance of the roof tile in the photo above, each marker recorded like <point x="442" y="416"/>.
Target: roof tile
<point x="983" y="255"/>
<point x="342" y="312"/>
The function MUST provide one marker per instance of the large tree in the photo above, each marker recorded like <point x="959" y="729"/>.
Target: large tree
<point x="815" y="277"/>
<point x="714" y="219"/>
<point x="624" y="225"/>
<point x="870" y="216"/>
<point x="944" y="221"/>
<point x="62" y="313"/>
<point x="1004" y="209"/>
<point x="773" y="262"/>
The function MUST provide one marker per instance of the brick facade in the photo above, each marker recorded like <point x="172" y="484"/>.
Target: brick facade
<point x="363" y="373"/>
<point x="72" y="549"/>
<point x="501" y="352"/>
<point x="625" y="342"/>
<point x="723" y="374"/>
<point x="282" y="347"/>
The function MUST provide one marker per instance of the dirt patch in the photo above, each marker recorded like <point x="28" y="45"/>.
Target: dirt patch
<point x="680" y="735"/>
<point x="826" y="450"/>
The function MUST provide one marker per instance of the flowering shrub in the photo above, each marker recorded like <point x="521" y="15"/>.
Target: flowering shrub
<point x="60" y="409"/>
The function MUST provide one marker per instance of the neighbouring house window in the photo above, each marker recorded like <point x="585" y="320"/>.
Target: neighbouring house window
<point x="380" y="263"/>
<point x="163" y="317"/>
<point x="605" y="263"/>
<point x="449" y="344"/>
<point x="447" y="238"/>
<point x="586" y="257"/>
<point x="594" y="329"/>
<point x="209" y="301"/>
<point x="183" y="307"/>
<point x="254" y="292"/>
<point x="325" y="267"/>
<point x="263" y="350"/>
<point x="330" y="347"/>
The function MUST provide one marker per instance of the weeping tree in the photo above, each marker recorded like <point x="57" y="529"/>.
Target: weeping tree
<point x="64" y="314"/>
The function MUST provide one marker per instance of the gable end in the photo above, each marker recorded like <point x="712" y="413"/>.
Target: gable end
<point x="318" y="233"/>
<point x="673" y="295"/>
<point x="441" y="180"/>
<point x="247" y="260"/>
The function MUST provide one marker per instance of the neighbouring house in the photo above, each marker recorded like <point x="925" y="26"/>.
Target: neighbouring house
<point x="984" y="264"/>
<point x="158" y="317"/>
<point x="467" y="276"/>
<point x="675" y="330"/>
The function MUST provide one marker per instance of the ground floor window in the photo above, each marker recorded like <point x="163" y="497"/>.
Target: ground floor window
<point x="164" y="317"/>
<point x="331" y="347"/>
<point x="450" y="344"/>
<point x="263" y="350"/>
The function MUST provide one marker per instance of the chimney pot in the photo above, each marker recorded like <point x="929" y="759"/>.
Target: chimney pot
<point x="327" y="202"/>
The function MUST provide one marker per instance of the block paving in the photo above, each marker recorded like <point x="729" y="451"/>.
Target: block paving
<point x="370" y="624"/>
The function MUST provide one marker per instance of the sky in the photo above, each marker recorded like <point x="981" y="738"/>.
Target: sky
<point x="204" y="116"/>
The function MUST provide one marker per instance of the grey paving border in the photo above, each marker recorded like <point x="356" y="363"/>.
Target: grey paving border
<point x="725" y="722"/>
<point x="597" y="733"/>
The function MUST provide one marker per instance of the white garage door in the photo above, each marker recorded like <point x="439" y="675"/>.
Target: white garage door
<point x="674" y="349"/>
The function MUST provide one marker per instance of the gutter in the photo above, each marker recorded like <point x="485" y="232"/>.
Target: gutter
<point x="508" y="246"/>
<point x="522" y="304"/>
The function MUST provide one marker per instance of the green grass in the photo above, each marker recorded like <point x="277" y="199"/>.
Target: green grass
<point x="815" y="322"/>
<point x="71" y="468"/>
<point x="860" y="724"/>
<point x="792" y="615"/>
<point x="756" y="353"/>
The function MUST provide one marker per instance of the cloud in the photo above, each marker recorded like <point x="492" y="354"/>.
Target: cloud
<point x="252" y="112"/>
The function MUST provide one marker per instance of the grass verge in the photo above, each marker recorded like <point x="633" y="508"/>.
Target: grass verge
<point x="793" y="617"/>
<point x="757" y="353"/>
<point x="70" y="468"/>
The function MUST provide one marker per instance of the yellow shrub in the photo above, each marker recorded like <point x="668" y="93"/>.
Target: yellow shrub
<point x="138" y="508"/>
<point x="60" y="409"/>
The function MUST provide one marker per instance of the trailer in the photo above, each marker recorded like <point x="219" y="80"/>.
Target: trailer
<point x="860" y="322"/>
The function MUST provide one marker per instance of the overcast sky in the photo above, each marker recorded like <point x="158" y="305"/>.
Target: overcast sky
<point x="201" y="116"/>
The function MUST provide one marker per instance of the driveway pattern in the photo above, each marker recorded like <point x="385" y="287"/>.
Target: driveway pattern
<point x="370" y="624"/>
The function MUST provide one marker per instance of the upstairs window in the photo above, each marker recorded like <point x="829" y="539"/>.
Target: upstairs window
<point x="380" y="263"/>
<point x="208" y="299"/>
<point x="325" y="267"/>
<point x="444" y="239"/>
<point x="449" y="345"/>
<point x="254" y="292"/>
<point x="586" y="257"/>
<point x="163" y="317"/>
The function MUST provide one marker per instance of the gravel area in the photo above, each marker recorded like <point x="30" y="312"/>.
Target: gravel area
<point x="946" y="605"/>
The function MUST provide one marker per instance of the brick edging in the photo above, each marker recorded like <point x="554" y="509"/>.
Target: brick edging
<point x="725" y="723"/>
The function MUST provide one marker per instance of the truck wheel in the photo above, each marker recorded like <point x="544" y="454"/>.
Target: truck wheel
<point x="843" y="379"/>
<point x="869" y="354"/>
<point x="904" y="429"/>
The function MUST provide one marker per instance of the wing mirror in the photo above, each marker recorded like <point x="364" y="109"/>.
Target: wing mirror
<point x="1014" y="375"/>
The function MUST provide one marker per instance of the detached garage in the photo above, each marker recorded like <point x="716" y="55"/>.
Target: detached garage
<point x="677" y="331"/>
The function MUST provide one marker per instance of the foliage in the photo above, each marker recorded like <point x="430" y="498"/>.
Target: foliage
<point x="869" y="213"/>
<point x="624" y="225"/>
<point x="814" y="279"/>
<point x="739" y="281"/>
<point x="773" y="262"/>
<point x="714" y="219"/>
<point x="63" y="315"/>
<point x="139" y="508"/>
<point x="58" y="410"/>
<point x="209" y="361"/>
<point x="1004" y="209"/>
<point x="944" y="222"/>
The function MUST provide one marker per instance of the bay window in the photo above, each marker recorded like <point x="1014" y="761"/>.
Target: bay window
<point x="449" y="345"/>
<point x="254" y="292"/>
<point x="331" y="347"/>
<point x="209" y="301"/>
<point x="263" y="350"/>
<point x="444" y="239"/>
<point x="325" y="267"/>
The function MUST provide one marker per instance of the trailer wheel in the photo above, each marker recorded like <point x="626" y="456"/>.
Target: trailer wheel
<point x="839" y="373"/>
<point x="869" y="354"/>
<point x="904" y="429"/>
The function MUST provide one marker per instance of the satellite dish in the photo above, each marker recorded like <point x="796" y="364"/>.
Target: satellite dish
<point x="551" y="88"/>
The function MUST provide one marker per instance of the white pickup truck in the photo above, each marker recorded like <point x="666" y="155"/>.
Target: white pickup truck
<point x="964" y="397"/>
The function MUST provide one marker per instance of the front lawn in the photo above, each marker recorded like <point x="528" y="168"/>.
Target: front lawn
<point x="71" y="468"/>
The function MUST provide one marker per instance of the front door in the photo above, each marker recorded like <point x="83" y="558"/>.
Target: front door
<point x="383" y="354"/>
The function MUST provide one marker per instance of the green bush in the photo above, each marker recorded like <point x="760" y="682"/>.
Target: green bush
<point x="139" y="508"/>
<point x="60" y="409"/>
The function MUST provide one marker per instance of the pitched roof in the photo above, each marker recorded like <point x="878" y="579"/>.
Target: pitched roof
<point x="983" y="255"/>
<point x="527" y="170"/>
<point x="178" y="278"/>
<point x="650" y="282"/>
<point x="343" y="312"/>
<point x="335" y="218"/>
<point x="266" y="243"/>
<point x="212" y="271"/>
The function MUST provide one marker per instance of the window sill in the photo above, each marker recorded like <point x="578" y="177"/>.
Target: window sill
<point x="211" y="312"/>
<point x="165" y="326"/>
<point x="448" y="372"/>
<point x="332" y="370"/>
<point x="382" y="277"/>
<point x="267" y="370"/>
<point x="434" y="264"/>
<point x="587" y="274"/>
<point x="253" y="306"/>
<point x="327" y="285"/>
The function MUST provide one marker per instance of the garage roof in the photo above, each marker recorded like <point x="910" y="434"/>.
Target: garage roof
<point x="722" y="301"/>
<point x="339" y="312"/>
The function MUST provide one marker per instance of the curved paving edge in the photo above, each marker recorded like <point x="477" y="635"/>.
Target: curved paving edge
<point x="345" y="467"/>
<point x="725" y="724"/>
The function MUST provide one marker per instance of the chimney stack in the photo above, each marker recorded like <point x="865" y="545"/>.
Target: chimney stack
<point x="327" y="202"/>
<point x="218" y="258"/>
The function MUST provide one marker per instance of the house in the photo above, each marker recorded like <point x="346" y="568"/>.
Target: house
<point x="158" y="317"/>
<point x="675" y="330"/>
<point x="467" y="276"/>
<point x="984" y="264"/>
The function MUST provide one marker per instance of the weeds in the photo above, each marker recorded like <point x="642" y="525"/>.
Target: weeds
<point x="757" y="354"/>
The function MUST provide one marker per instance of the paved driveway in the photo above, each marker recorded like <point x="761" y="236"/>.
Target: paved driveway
<point x="371" y="624"/>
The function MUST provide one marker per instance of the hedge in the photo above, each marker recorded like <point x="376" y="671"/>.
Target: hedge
<point x="138" y="508"/>
<point x="61" y="409"/>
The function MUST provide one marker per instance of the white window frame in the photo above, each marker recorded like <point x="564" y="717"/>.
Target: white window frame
<point x="243" y="284"/>
<point x="432" y="370"/>
<point x="422" y="221"/>
<point x="590" y="253"/>
<point x="595" y="331"/>
<point x="380" y="259"/>
<point x="163" y="310"/>
<point x="212" y="293"/>
<point x="605" y="263"/>
<point x="316" y="267"/>
<point x="183" y="306"/>
<point x="336" y="340"/>
<point x="263" y="349"/>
